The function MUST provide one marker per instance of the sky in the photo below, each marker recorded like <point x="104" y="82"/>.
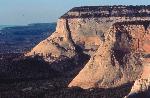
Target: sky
<point x="22" y="12"/>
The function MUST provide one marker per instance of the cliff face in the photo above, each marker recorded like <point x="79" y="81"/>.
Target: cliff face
<point x="117" y="60"/>
<point x="141" y="85"/>
<point x="115" y="37"/>
<point x="88" y="34"/>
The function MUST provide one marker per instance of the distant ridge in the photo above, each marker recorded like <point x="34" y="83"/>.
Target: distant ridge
<point x="4" y="26"/>
<point x="22" y="38"/>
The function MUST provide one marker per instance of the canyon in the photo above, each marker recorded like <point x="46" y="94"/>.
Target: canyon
<point x="116" y="38"/>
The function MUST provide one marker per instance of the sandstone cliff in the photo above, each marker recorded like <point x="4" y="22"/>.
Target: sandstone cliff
<point x="115" y="37"/>
<point x="142" y="85"/>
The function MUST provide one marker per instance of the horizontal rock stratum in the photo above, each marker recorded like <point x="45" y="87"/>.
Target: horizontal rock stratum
<point x="117" y="39"/>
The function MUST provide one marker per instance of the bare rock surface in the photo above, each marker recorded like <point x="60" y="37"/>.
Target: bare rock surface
<point x="115" y="37"/>
<point x="142" y="85"/>
<point x="117" y="61"/>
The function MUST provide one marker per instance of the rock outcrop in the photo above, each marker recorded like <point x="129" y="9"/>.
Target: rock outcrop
<point x="115" y="37"/>
<point x="142" y="85"/>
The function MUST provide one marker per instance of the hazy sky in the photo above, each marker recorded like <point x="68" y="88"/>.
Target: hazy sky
<point x="19" y="12"/>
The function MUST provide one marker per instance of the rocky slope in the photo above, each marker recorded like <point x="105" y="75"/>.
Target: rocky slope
<point x="117" y="60"/>
<point x="115" y="37"/>
<point x="142" y="85"/>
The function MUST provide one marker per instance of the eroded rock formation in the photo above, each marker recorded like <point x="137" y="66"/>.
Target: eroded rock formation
<point x="115" y="37"/>
<point x="117" y="61"/>
<point x="142" y="85"/>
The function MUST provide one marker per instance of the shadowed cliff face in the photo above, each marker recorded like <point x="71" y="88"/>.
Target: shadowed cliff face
<point x="116" y="44"/>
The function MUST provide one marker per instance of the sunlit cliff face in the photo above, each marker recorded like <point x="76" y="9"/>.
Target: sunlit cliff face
<point x="115" y="37"/>
<point x="118" y="60"/>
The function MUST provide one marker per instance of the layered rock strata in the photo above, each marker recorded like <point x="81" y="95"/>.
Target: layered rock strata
<point x="117" y="60"/>
<point x="115" y="37"/>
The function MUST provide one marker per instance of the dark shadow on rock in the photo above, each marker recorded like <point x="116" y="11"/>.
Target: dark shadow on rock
<point x="74" y="92"/>
<point x="18" y="68"/>
<point x="77" y="92"/>
<point x="25" y="69"/>
<point x="145" y="94"/>
<point x="45" y="82"/>
<point x="70" y="66"/>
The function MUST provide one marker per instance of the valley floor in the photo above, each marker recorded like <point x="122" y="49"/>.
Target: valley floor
<point x="47" y="83"/>
<point x="57" y="88"/>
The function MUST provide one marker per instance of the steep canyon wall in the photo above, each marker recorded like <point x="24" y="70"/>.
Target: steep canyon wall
<point x="115" y="37"/>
